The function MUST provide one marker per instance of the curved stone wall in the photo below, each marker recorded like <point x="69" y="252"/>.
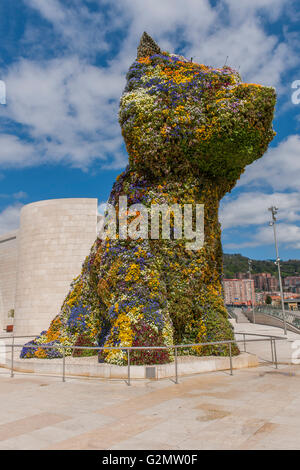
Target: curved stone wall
<point x="8" y="273"/>
<point x="54" y="238"/>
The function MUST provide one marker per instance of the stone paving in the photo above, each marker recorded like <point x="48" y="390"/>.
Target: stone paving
<point x="256" y="408"/>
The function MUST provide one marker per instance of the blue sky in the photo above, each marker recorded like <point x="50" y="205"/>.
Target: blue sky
<point x="64" y="64"/>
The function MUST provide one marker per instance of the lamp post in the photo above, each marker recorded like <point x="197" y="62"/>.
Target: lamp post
<point x="274" y="211"/>
<point x="250" y="277"/>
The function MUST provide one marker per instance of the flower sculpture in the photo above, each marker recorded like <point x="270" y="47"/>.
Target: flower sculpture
<point x="190" y="131"/>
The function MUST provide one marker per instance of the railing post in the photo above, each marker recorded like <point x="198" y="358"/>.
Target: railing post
<point x="230" y="359"/>
<point x="12" y="357"/>
<point x="176" y="366"/>
<point x="275" y="353"/>
<point x="128" y="365"/>
<point x="272" y="353"/>
<point x="244" y="342"/>
<point x="64" y="365"/>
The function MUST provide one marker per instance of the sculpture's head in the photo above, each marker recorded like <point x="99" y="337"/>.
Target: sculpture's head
<point x="181" y="117"/>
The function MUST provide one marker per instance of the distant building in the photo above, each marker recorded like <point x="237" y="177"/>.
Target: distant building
<point x="292" y="284"/>
<point x="239" y="291"/>
<point x="292" y="303"/>
<point x="276" y="300"/>
<point x="263" y="281"/>
<point x="291" y="281"/>
<point x="242" y="275"/>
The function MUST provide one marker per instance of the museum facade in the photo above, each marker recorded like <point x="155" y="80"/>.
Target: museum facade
<point x="39" y="260"/>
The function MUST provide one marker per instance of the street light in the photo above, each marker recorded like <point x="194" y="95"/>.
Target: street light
<point x="252" y="303"/>
<point x="274" y="211"/>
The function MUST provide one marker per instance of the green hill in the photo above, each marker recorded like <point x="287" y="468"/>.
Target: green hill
<point x="233" y="264"/>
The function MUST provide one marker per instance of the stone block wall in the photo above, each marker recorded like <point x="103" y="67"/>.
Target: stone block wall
<point x="8" y="274"/>
<point x="54" y="238"/>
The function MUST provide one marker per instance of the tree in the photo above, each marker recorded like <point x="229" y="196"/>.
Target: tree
<point x="268" y="300"/>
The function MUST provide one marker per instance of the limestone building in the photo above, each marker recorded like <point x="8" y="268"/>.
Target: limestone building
<point x="38" y="262"/>
<point x="8" y="276"/>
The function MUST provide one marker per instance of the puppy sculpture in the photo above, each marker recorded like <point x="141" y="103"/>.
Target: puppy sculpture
<point x="190" y="131"/>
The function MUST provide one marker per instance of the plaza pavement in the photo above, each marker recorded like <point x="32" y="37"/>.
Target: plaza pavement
<point x="257" y="408"/>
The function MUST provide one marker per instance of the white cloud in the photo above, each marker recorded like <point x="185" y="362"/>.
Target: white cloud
<point x="76" y="27"/>
<point x="9" y="218"/>
<point x="18" y="195"/>
<point x="260" y="58"/>
<point x="251" y="208"/>
<point x="51" y="9"/>
<point x="279" y="168"/>
<point x="16" y="153"/>
<point x="2" y="92"/>
<point x="70" y="110"/>
<point x="287" y="234"/>
<point x="242" y="10"/>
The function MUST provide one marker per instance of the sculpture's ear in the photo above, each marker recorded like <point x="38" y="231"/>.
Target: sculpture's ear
<point x="147" y="46"/>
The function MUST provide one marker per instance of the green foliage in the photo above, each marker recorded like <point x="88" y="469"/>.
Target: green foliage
<point x="268" y="300"/>
<point x="235" y="263"/>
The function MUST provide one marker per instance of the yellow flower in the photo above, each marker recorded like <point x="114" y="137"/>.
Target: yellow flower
<point x="133" y="272"/>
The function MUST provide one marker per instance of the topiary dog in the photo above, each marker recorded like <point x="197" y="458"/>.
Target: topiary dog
<point x="190" y="131"/>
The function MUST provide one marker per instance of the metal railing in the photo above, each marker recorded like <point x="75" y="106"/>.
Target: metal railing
<point x="271" y="338"/>
<point x="275" y="310"/>
<point x="231" y="313"/>
<point x="292" y="317"/>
